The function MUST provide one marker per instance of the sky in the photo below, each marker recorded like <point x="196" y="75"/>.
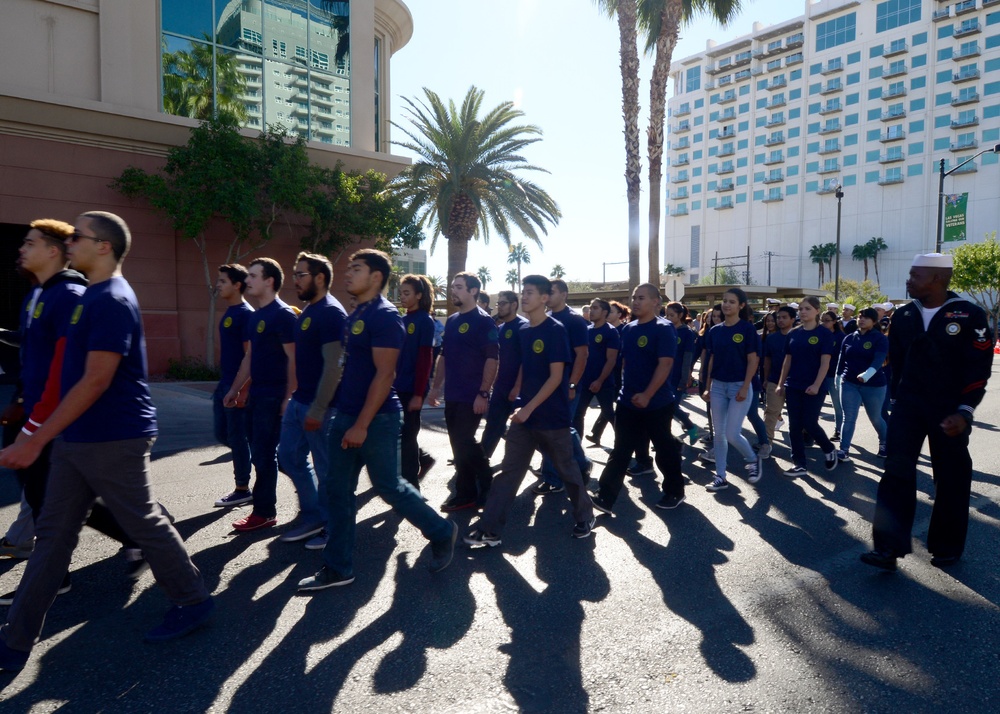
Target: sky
<point x="557" y="60"/>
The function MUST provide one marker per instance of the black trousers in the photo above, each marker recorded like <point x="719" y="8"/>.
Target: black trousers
<point x="409" y="450"/>
<point x="633" y="427"/>
<point x="896" y="503"/>
<point x="472" y="468"/>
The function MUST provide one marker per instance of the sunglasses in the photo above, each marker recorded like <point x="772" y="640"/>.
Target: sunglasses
<point x="77" y="235"/>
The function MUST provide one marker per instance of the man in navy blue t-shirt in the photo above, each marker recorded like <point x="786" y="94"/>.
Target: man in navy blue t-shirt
<point x="541" y="420"/>
<point x="108" y="424"/>
<point x="502" y="399"/>
<point x="467" y="367"/>
<point x="366" y="427"/>
<point x="230" y="422"/>
<point x="269" y="364"/>
<point x="603" y="344"/>
<point x="774" y="358"/>
<point x="318" y="335"/>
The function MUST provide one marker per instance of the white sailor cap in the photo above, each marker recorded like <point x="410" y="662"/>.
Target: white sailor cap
<point x="832" y="306"/>
<point x="794" y="304"/>
<point x="773" y="301"/>
<point x="887" y="306"/>
<point x="848" y="306"/>
<point x="933" y="260"/>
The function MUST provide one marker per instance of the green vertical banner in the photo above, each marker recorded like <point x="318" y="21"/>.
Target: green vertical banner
<point x="954" y="216"/>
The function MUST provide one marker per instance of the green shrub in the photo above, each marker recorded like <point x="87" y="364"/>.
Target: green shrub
<point x="191" y="369"/>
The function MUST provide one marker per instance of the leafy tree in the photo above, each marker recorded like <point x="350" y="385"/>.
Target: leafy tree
<point x="437" y="284"/>
<point x="466" y="178"/>
<point x="823" y="255"/>
<point x="875" y="246"/>
<point x="484" y="275"/>
<point x="557" y="272"/>
<point x="976" y="271"/>
<point x="518" y="254"/>
<point x="861" y="294"/>
<point x="512" y="279"/>
<point x="724" y="275"/>
<point x="671" y="269"/>
<point x="862" y="253"/>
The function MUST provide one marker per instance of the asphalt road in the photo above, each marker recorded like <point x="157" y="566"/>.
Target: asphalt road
<point x="748" y="600"/>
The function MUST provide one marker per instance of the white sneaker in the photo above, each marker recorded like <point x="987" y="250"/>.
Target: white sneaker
<point x="780" y="425"/>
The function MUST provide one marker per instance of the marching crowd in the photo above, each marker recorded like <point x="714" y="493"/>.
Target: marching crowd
<point x="323" y="391"/>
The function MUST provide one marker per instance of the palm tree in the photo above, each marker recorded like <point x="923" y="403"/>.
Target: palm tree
<point x="660" y="22"/>
<point x="626" y="12"/>
<point x="187" y="84"/>
<point x="465" y="178"/>
<point x="557" y="272"/>
<point x="437" y="285"/>
<point x="875" y="246"/>
<point x="830" y="252"/>
<point x="511" y="278"/>
<point x="862" y="253"/>
<point x="484" y="275"/>
<point x="671" y="269"/>
<point x="817" y="255"/>
<point x="518" y="253"/>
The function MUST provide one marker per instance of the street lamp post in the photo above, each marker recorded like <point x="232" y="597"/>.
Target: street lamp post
<point x="836" y="270"/>
<point x="995" y="149"/>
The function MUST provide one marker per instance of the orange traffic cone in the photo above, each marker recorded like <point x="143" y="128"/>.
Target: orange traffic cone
<point x="996" y="348"/>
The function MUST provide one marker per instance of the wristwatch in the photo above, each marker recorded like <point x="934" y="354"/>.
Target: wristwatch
<point x="484" y="394"/>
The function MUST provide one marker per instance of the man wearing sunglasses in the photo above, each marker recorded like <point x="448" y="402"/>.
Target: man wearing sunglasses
<point x="107" y="422"/>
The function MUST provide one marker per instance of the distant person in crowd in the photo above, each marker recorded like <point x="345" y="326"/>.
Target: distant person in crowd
<point x="830" y="321"/>
<point x="680" y="373"/>
<point x="466" y="370"/>
<point x="808" y="353"/>
<point x="941" y="353"/>
<point x="848" y="321"/>
<point x="502" y="398"/>
<point x="774" y="359"/>
<point x="366" y="426"/>
<point x="862" y="380"/>
<point x="269" y="365"/>
<point x="598" y="380"/>
<point x="231" y="422"/>
<point x="107" y="423"/>
<point x="541" y="420"/>
<point x="484" y="302"/>
<point x="413" y="372"/>
<point x="319" y="335"/>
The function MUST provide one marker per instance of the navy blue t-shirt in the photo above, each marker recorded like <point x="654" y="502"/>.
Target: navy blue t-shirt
<point x="599" y="341"/>
<point x="806" y="347"/>
<point x="838" y="340"/>
<point x="510" y="356"/>
<point x="319" y="324"/>
<point x="418" y="331"/>
<point x="774" y="347"/>
<point x="232" y="335"/>
<point x="540" y="347"/>
<point x="373" y="324"/>
<point x="43" y="323"/>
<point x="470" y="338"/>
<point x="107" y="319"/>
<point x="642" y="347"/>
<point x="575" y="326"/>
<point x="269" y="329"/>
<point x="860" y="352"/>
<point x="685" y="345"/>
<point x="729" y="347"/>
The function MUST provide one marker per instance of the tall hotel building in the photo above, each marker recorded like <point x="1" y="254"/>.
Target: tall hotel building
<point x="861" y="94"/>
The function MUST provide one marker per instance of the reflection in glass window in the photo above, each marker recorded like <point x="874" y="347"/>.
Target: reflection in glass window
<point x="191" y="18"/>
<point x="896" y="13"/>
<point x="836" y="32"/>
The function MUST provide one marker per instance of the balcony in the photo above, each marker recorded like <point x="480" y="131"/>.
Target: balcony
<point x="681" y="192"/>
<point x="834" y="85"/>
<point x="679" y="211"/>
<point x="891" y="157"/>
<point x="834" y="65"/>
<point x="709" y="85"/>
<point x="726" y="167"/>
<point x="965" y="99"/>
<point x="726" y="150"/>
<point x="729" y="96"/>
<point x="774" y="177"/>
<point x="775" y="157"/>
<point x="893" y="93"/>
<point x="728" y="115"/>
<point x="830" y="167"/>
<point x="773" y="197"/>
<point x="725" y="81"/>
<point x="682" y="127"/>
<point x="775" y="121"/>
<point x="741" y="58"/>
<point x="741" y="75"/>
<point x="723" y="65"/>
<point x="989" y="3"/>
<point x="776" y="83"/>
<point x="796" y="40"/>
<point x="775" y="139"/>
<point x="963" y="7"/>
<point x="831" y="106"/>
<point x="968" y="28"/>
<point x="942" y="14"/>
<point x="727" y="133"/>
<point x="896" y="48"/>
<point x="683" y="110"/>
<point x="683" y="143"/>
<point x="829" y="186"/>
<point x="893" y="114"/>
<point x="971" y="51"/>
<point x="679" y="178"/>
<point x="682" y="161"/>
<point x="724" y="202"/>
<point x="831" y="127"/>
<point x="727" y="185"/>
<point x="962" y="123"/>
<point x="888" y="136"/>
<point x="775" y="102"/>
<point x="793" y="59"/>
<point x="830" y="148"/>
<point x="965" y="76"/>
<point x="894" y="70"/>
<point x="966" y="145"/>
<point x="969" y="168"/>
<point x="890" y="179"/>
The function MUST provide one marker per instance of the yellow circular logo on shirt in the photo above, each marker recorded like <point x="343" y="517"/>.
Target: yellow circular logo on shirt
<point x="358" y="327"/>
<point x="463" y="328"/>
<point x="76" y="315"/>
<point x="411" y="328"/>
<point x="537" y="347"/>
<point x="508" y="334"/>
<point x="737" y="338"/>
<point x="306" y="323"/>
<point x="643" y="341"/>
<point x="260" y="327"/>
<point x="599" y="339"/>
<point x="814" y="340"/>
<point x="228" y="322"/>
<point x="38" y="310"/>
<point x="867" y="345"/>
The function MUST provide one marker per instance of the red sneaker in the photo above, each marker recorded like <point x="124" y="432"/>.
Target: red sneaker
<point x="254" y="522"/>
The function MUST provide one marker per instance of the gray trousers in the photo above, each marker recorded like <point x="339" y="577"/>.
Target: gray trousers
<point x="557" y="445"/>
<point x="118" y="472"/>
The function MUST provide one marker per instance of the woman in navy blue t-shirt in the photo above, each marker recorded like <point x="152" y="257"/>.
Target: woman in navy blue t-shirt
<point x="862" y="379"/>
<point x="830" y="321"/>
<point x="733" y="355"/>
<point x="807" y="360"/>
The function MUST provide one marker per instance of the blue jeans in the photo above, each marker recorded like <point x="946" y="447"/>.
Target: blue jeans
<point x="549" y="473"/>
<point x="294" y="448"/>
<point x="380" y="454"/>
<point x="728" y="415"/>
<point x="832" y="385"/>
<point x="853" y="396"/>
<point x="231" y="431"/>
<point x="497" y="414"/>
<point x="264" y="425"/>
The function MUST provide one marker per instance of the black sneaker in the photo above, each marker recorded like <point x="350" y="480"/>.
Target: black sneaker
<point x="442" y="551"/>
<point x="593" y="439"/>
<point x="830" y="460"/>
<point x="719" y="484"/>
<point x="236" y="498"/>
<point x="544" y="488"/>
<point x="943" y="561"/>
<point x="843" y="455"/>
<point x="796" y="471"/>
<point x="180" y="620"/>
<point x="600" y="505"/>
<point x="836" y="436"/>
<point x="481" y="538"/>
<point x="8" y="598"/>
<point x="882" y="453"/>
<point x="669" y="502"/>
<point x="456" y="504"/>
<point x="426" y="464"/>
<point x="878" y="559"/>
<point x="638" y="469"/>
<point x="324" y="579"/>
<point x="583" y="528"/>
<point x="135" y="563"/>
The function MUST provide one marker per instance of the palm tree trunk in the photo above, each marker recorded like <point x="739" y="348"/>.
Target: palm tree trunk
<point x="878" y="281"/>
<point x="458" y="254"/>
<point x="629" y="53"/>
<point x="670" y="21"/>
<point x="866" y="268"/>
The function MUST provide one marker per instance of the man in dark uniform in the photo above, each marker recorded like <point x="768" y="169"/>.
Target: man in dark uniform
<point x="941" y="353"/>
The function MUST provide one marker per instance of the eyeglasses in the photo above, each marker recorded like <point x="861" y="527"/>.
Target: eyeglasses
<point x="300" y="275"/>
<point x="501" y="303"/>
<point x="77" y="235"/>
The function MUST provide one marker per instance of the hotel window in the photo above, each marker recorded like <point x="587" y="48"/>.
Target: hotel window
<point x="896" y="13"/>
<point x="836" y="32"/>
<point x="693" y="79"/>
